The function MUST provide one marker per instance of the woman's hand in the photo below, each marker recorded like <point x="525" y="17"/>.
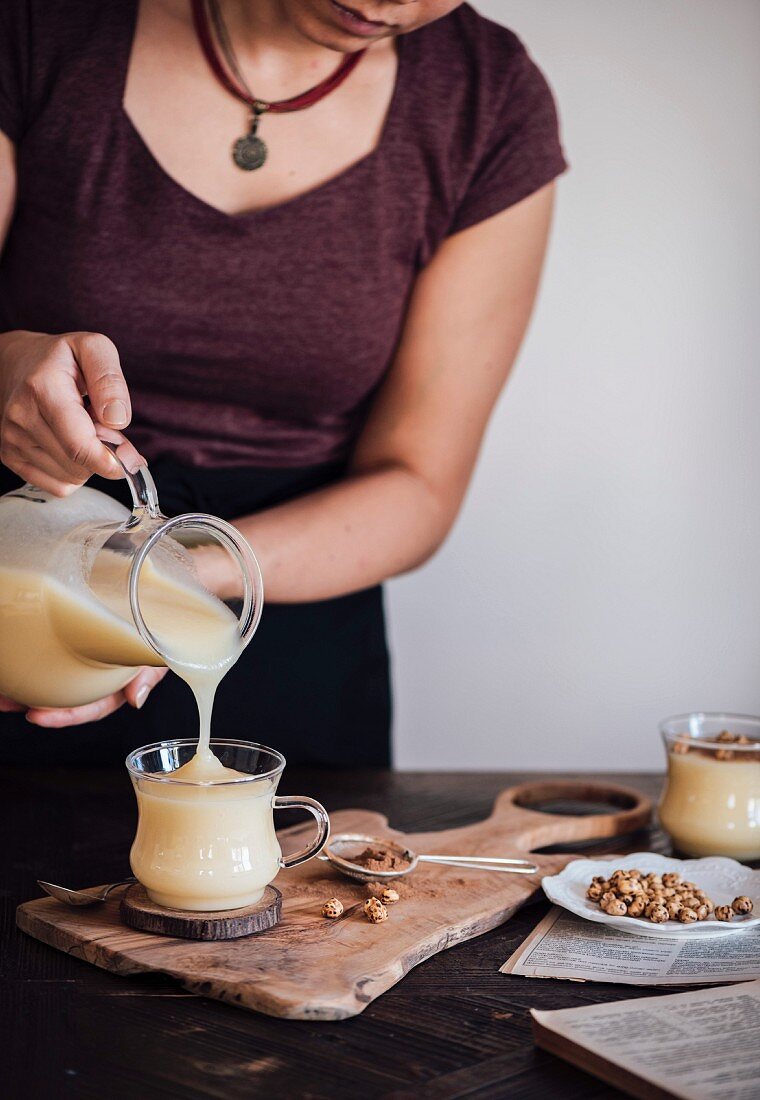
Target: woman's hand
<point x="135" y="693"/>
<point x="47" y="435"/>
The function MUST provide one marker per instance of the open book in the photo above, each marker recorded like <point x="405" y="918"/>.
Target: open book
<point x="701" y="1045"/>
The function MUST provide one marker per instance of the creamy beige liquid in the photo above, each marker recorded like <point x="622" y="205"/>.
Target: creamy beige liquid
<point x="197" y="633"/>
<point x="64" y="648"/>
<point x="712" y="807"/>
<point x="50" y="641"/>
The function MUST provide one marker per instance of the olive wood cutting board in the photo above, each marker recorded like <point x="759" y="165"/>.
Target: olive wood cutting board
<point x="309" y="968"/>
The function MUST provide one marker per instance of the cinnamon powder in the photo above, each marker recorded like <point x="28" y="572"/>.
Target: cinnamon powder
<point x="403" y="887"/>
<point x="381" y="859"/>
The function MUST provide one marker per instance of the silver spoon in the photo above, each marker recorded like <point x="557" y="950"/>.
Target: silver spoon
<point x="354" y="870"/>
<point x="81" y="897"/>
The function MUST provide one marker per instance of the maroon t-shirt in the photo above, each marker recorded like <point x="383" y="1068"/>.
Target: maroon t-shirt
<point x="258" y="338"/>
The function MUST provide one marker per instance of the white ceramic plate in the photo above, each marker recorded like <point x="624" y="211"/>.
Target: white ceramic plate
<point x="722" y="879"/>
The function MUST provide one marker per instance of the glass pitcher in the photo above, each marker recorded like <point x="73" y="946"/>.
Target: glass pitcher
<point x="87" y="588"/>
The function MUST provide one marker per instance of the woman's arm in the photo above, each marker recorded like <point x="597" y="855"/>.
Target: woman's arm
<point x="7" y="184"/>
<point x="38" y="358"/>
<point x="46" y="434"/>
<point x="414" y="459"/>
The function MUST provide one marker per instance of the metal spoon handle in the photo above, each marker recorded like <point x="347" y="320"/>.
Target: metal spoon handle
<point x="479" y="859"/>
<point x="80" y="898"/>
<point x="114" y="885"/>
<point x="480" y="863"/>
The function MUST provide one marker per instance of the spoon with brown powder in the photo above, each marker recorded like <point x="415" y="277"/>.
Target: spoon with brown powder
<point x="381" y="859"/>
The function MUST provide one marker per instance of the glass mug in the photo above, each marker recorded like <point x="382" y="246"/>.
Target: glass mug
<point x="212" y="845"/>
<point x="710" y="803"/>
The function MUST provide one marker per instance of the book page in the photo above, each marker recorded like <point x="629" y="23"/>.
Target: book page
<point x="566" y="946"/>
<point x="699" y="1045"/>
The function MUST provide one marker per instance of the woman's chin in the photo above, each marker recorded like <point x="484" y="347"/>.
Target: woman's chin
<point x="321" y="22"/>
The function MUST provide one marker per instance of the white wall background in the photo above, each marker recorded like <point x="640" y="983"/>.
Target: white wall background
<point x="605" y="571"/>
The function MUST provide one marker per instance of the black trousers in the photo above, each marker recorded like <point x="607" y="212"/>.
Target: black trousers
<point x="313" y="683"/>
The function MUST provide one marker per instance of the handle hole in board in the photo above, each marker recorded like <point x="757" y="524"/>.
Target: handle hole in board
<point x="575" y="807"/>
<point x="584" y="801"/>
<point x="553" y="806"/>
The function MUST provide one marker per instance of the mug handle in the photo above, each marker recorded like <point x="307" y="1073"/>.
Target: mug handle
<point x="318" y="812"/>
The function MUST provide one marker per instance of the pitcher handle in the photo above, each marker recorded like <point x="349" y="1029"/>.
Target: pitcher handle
<point x="141" y="483"/>
<point x="319" y="813"/>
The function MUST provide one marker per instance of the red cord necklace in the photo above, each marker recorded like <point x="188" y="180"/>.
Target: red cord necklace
<point x="250" y="152"/>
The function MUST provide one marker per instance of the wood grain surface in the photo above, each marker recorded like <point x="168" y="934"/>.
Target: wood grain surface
<point x="137" y="911"/>
<point x="453" y="1028"/>
<point x="308" y="968"/>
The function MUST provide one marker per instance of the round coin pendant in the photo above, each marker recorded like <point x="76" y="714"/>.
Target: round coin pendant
<point x="249" y="152"/>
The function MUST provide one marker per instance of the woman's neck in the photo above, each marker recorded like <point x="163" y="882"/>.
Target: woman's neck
<point x="256" y="23"/>
<point x="267" y="43"/>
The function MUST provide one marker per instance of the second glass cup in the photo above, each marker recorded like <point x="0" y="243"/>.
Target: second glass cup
<point x="210" y="846"/>
<point x="710" y="804"/>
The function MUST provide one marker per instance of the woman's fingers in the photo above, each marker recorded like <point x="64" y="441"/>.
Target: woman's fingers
<point x="135" y="693"/>
<point x="45" y="439"/>
<point x="46" y="459"/>
<point x="98" y="361"/>
<point x="62" y="409"/>
<point x="10" y="706"/>
<point x="75" y="716"/>
<point x="44" y="408"/>
<point x="26" y="469"/>
<point x="138" y="690"/>
<point x="129" y="456"/>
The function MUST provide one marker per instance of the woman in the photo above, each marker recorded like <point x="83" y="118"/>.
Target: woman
<point x="301" y="309"/>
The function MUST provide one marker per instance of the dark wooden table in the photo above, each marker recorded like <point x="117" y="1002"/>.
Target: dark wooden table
<point x="454" y="1027"/>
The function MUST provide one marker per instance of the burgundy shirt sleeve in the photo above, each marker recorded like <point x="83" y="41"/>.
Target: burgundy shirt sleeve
<point x="523" y="151"/>
<point x="14" y="50"/>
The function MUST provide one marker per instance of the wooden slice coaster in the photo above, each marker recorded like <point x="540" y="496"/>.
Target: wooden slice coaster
<point x="138" y="911"/>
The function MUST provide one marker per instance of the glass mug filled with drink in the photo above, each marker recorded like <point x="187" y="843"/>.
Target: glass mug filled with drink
<point x="205" y="834"/>
<point x="710" y="803"/>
